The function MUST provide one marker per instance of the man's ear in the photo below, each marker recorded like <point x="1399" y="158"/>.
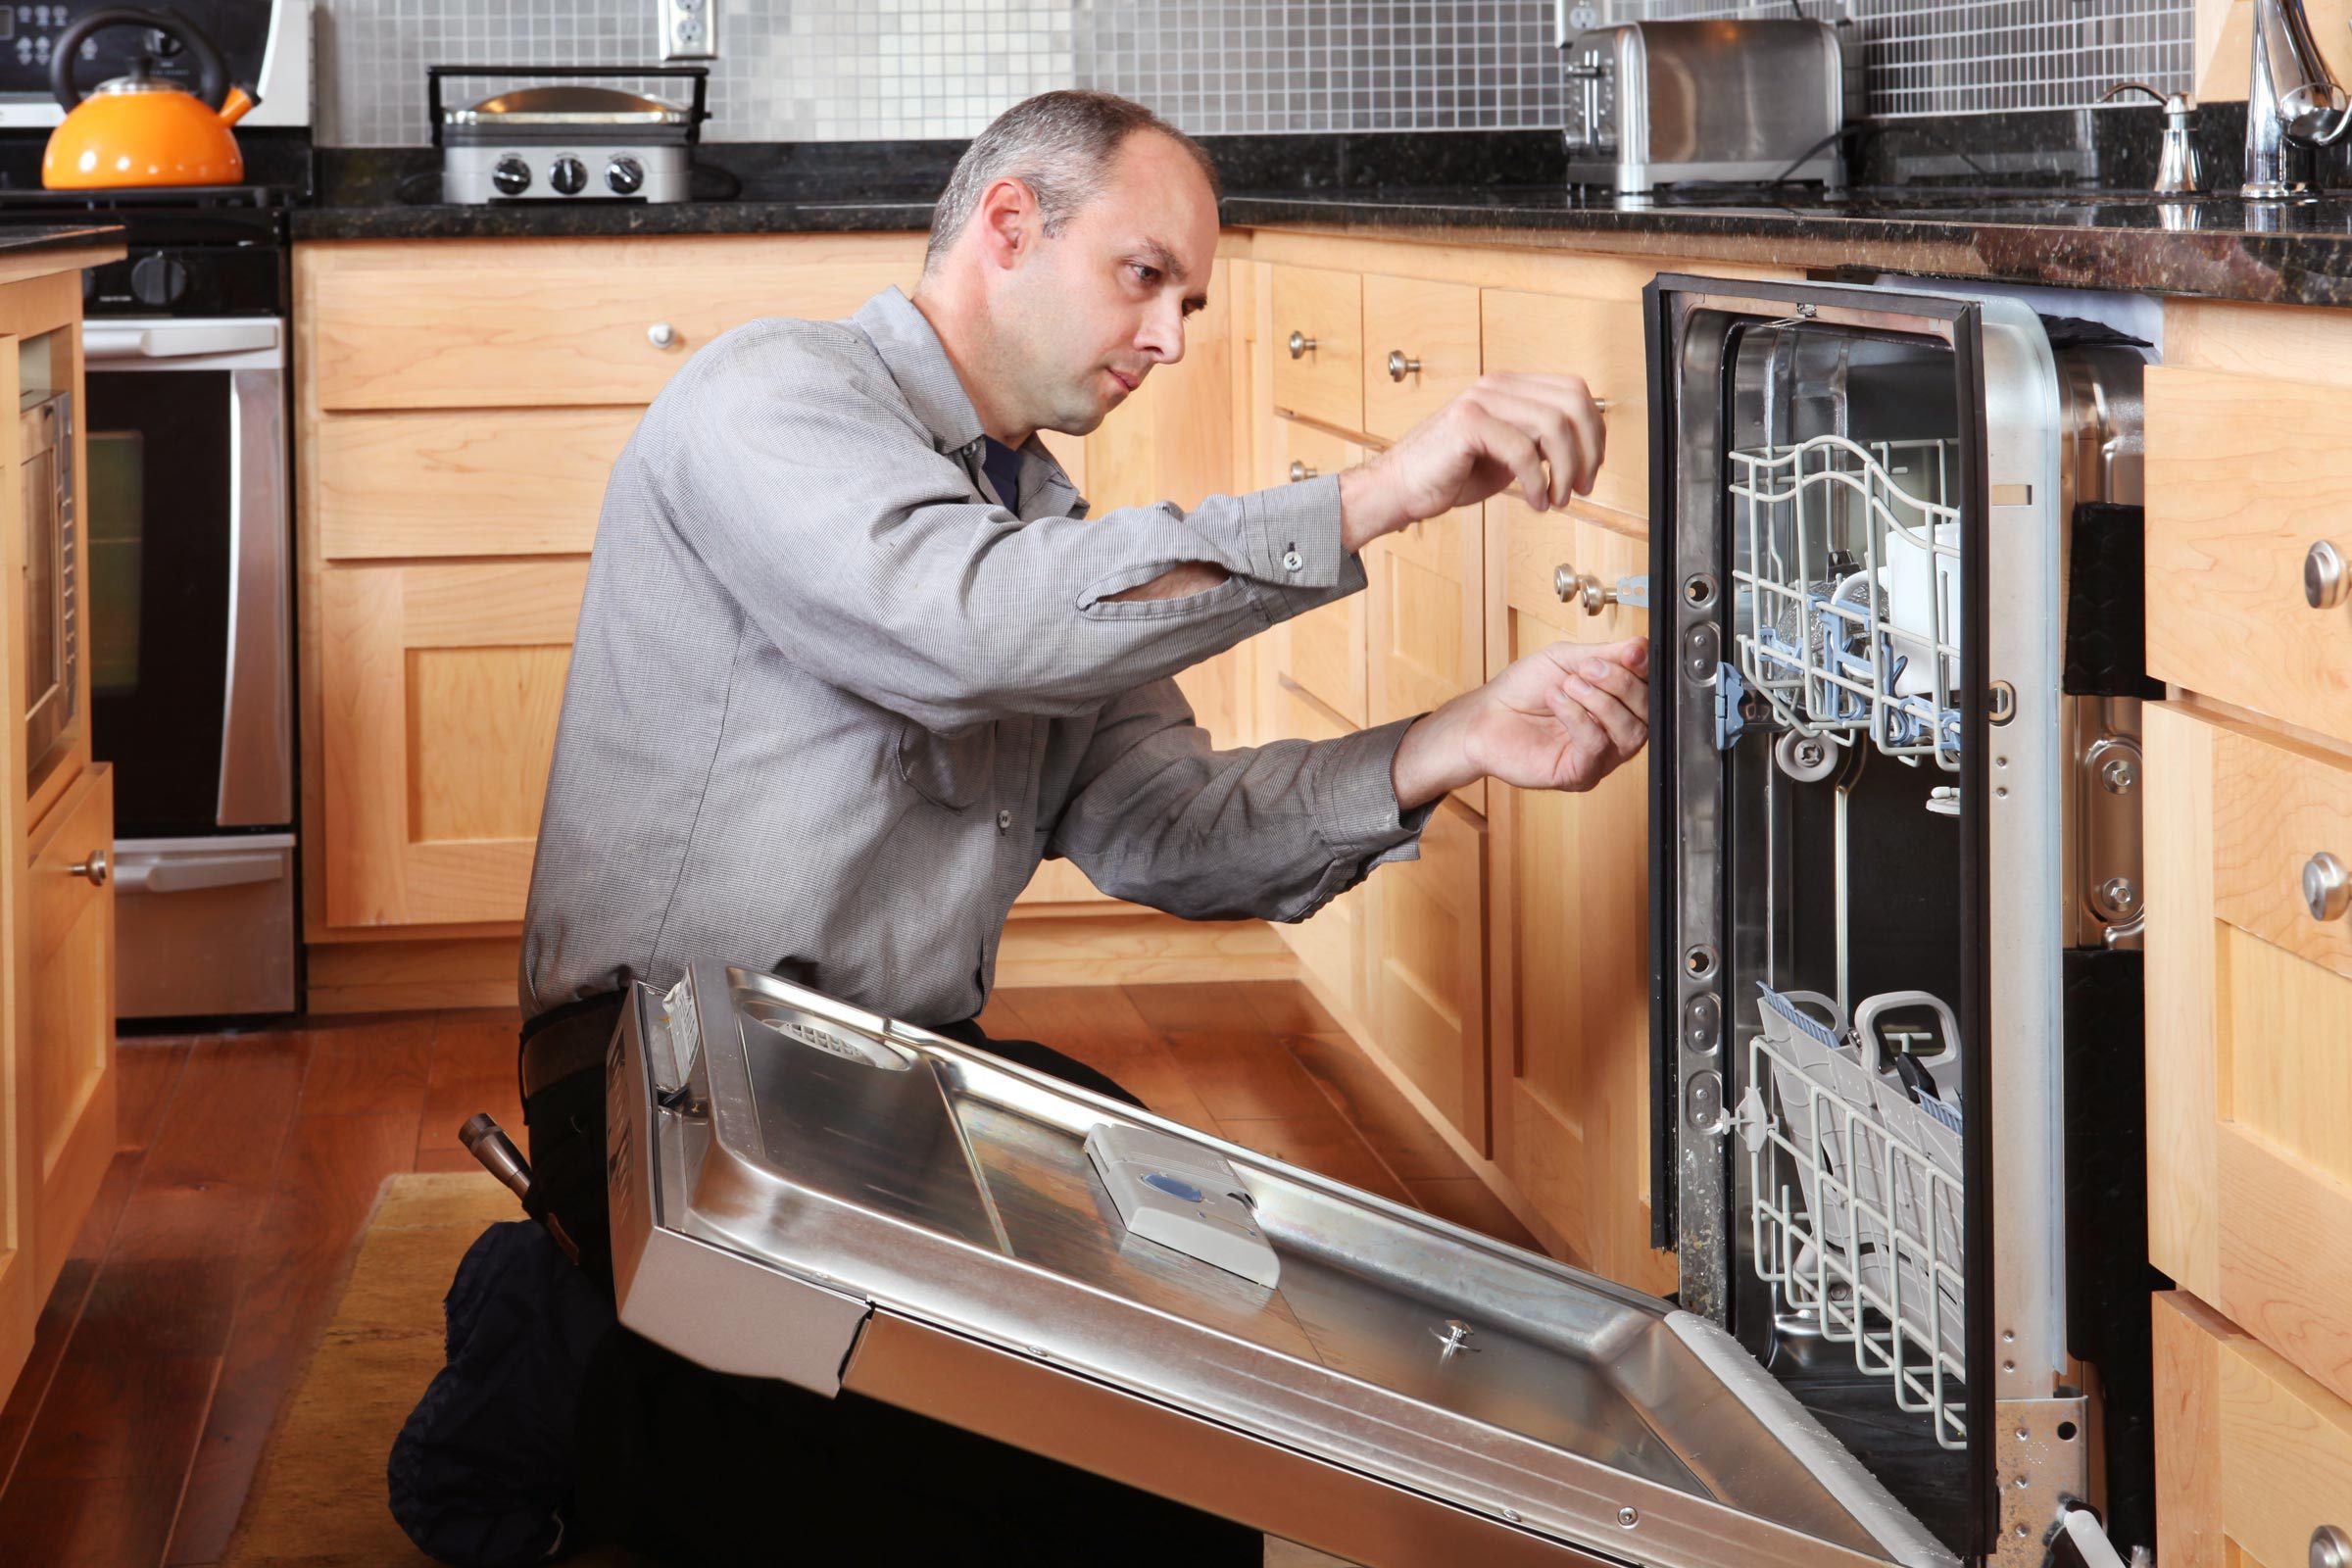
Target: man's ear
<point x="1009" y="222"/>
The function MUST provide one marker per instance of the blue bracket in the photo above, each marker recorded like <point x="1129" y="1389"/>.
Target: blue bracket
<point x="1729" y="693"/>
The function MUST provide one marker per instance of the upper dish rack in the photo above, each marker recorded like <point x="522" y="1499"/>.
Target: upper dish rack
<point x="1847" y="557"/>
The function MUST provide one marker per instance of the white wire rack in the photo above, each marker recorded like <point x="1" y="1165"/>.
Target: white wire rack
<point x="1868" y="1241"/>
<point x="1847" y="570"/>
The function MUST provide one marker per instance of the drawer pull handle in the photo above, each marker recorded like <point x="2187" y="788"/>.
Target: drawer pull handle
<point x="2330" y="1547"/>
<point x="94" y="869"/>
<point x="1399" y="367"/>
<point x="1581" y="588"/>
<point x="661" y="334"/>
<point x="2328" y="890"/>
<point x="1302" y="345"/>
<point x="2324" y="582"/>
<point x="1299" y="473"/>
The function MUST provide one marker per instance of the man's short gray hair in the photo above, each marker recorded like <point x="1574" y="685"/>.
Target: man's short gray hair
<point x="1058" y="144"/>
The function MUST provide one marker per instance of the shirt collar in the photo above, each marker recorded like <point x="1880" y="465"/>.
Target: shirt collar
<point x="916" y="360"/>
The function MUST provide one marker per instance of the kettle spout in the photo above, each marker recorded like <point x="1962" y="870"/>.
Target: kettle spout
<point x="237" y="106"/>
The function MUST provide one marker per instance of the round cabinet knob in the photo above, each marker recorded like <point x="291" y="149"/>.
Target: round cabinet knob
<point x="2330" y="1547"/>
<point x="1399" y="367"/>
<point x="93" y="869"/>
<point x="1579" y="588"/>
<point x="568" y="175"/>
<point x="2328" y="891"/>
<point x="1302" y="345"/>
<point x="661" y="334"/>
<point x="158" y="280"/>
<point x="1299" y="471"/>
<point x="2324" y="582"/>
<point x="511" y="176"/>
<point x="624" y="177"/>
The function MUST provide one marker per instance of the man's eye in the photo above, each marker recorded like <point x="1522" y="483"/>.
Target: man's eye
<point x="1146" y="274"/>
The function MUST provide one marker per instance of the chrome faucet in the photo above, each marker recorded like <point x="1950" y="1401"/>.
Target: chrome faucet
<point x="2293" y="103"/>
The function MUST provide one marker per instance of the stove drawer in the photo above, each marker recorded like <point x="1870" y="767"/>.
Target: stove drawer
<point x="2249" y="1079"/>
<point x="2253" y="1458"/>
<point x="2247" y="493"/>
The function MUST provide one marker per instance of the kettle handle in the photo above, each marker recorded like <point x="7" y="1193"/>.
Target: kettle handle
<point x="212" y="76"/>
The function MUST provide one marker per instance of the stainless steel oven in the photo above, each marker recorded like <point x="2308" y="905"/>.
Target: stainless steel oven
<point x="190" y="655"/>
<point x="52" y="588"/>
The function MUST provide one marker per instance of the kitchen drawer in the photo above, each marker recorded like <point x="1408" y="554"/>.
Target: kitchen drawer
<point x="1427" y="979"/>
<point x="2253" y="1458"/>
<point x="1318" y="345"/>
<point x="1330" y="944"/>
<point x="1420" y="350"/>
<point x="2249" y="1047"/>
<point x="480" y="483"/>
<point x="1527" y="553"/>
<point x="1323" y="651"/>
<point x="532" y="323"/>
<point x="1426" y="614"/>
<point x="2245" y="479"/>
<point x="1596" y="338"/>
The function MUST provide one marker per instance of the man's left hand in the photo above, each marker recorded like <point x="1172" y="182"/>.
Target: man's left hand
<point x="1562" y="719"/>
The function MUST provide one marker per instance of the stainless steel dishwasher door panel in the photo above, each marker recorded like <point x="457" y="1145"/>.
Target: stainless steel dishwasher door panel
<point x="807" y="1191"/>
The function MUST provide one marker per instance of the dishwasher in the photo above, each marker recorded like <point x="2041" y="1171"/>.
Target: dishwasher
<point x="1869" y="722"/>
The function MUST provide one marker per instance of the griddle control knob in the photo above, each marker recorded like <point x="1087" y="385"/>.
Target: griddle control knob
<point x="568" y="175"/>
<point x="158" y="280"/>
<point x="624" y="177"/>
<point x="511" y="176"/>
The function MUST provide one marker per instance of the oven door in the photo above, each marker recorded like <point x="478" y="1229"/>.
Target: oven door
<point x="805" y="1191"/>
<point x="190" y="552"/>
<point x="1857" y="551"/>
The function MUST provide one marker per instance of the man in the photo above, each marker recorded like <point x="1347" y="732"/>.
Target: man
<point x="852" y="661"/>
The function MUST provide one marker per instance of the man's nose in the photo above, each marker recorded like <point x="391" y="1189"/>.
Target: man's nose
<point x="1162" y="336"/>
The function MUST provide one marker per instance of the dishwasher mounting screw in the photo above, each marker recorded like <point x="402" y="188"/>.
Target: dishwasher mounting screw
<point x="1629" y="1517"/>
<point x="1512" y="1514"/>
<point x="2120" y="895"/>
<point x="2119" y="776"/>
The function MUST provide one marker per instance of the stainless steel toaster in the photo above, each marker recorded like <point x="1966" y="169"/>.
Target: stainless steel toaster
<point x="1650" y="103"/>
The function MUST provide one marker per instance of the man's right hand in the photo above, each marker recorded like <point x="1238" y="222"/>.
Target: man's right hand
<point x="1542" y="433"/>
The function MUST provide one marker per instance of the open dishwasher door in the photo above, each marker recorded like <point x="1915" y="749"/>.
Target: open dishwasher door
<point x="805" y="1190"/>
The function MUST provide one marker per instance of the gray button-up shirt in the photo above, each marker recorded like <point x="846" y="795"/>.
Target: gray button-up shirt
<point x="831" y="700"/>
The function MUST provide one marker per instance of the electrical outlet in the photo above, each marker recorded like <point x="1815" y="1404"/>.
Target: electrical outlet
<point x="689" y="29"/>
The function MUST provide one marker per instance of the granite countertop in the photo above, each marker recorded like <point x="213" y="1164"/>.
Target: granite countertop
<point x="16" y="239"/>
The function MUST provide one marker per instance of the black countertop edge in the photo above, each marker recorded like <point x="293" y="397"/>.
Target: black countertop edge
<point x="19" y="238"/>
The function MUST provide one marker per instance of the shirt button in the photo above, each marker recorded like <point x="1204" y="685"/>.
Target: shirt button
<point x="1004" y="820"/>
<point x="1291" y="561"/>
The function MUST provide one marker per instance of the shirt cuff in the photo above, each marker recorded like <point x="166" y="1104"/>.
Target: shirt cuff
<point x="1355" y="796"/>
<point x="1292" y="533"/>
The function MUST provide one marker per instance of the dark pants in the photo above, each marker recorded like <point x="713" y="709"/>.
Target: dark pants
<point x="700" y="1467"/>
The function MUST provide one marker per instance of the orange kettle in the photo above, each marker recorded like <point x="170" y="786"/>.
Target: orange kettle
<point x="144" y="129"/>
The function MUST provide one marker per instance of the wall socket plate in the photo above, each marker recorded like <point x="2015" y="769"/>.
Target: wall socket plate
<point x="689" y="29"/>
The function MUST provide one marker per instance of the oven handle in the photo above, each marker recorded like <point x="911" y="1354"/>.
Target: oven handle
<point x="256" y="762"/>
<point x="194" y="873"/>
<point x="175" y="340"/>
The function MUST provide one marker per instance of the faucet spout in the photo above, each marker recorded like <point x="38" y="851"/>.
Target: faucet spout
<point x="2293" y="103"/>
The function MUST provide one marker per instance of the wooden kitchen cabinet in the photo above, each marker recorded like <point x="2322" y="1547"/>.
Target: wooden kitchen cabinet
<point x="65" y="1064"/>
<point x="1596" y="334"/>
<point x="439" y="685"/>
<point x="1568" y="934"/>
<point x="2253" y="1457"/>
<point x="1421" y="350"/>
<point x="1318" y="345"/>
<point x="1331" y="943"/>
<point x="1426" y="980"/>
<point x="2249" y="1003"/>
<point x="1425" y="609"/>
<point x="1322" y="652"/>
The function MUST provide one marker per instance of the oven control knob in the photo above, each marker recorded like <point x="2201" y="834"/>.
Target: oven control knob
<point x="158" y="280"/>
<point x="624" y="177"/>
<point x="511" y="176"/>
<point x="568" y="175"/>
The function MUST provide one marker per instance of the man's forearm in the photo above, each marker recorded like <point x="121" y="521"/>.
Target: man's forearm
<point x="1431" y="760"/>
<point x="1177" y="582"/>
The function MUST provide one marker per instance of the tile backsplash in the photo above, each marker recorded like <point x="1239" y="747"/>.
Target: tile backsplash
<point x="879" y="69"/>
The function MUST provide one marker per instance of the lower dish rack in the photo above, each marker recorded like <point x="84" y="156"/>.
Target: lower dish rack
<point x="1857" y="1214"/>
<point x="1848" y="563"/>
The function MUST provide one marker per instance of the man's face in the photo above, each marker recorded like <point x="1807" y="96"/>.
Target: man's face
<point x="1100" y="304"/>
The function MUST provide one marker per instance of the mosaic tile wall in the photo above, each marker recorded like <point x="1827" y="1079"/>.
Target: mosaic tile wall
<point x="874" y="70"/>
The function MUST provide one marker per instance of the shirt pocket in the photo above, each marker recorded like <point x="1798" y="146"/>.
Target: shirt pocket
<point x="949" y="770"/>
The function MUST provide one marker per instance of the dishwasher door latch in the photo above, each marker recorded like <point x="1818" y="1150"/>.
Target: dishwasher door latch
<point x="1730" y="697"/>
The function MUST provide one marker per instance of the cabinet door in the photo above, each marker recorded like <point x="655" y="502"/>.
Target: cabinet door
<point x="1318" y="345"/>
<point x="2249" y="1000"/>
<point x="1420" y="349"/>
<point x="1322" y="652"/>
<point x="66" y="1054"/>
<point x="1598" y="337"/>
<point x="2253" y="1458"/>
<point x="1427" y="632"/>
<point x="439" y="689"/>
<point x="1330" y="942"/>
<point x="1569" y="897"/>
<point x="1427" y="995"/>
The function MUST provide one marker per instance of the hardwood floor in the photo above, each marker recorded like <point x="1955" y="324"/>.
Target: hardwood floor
<point x="249" y="1161"/>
